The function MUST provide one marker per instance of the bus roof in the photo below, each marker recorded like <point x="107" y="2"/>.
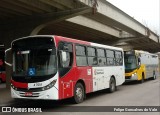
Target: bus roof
<point x="74" y="41"/>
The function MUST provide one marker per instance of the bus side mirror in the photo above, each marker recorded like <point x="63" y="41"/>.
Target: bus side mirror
<point x="139" y="61"/>
<point x="6" y="52"/>
<point x="63" y="56"/>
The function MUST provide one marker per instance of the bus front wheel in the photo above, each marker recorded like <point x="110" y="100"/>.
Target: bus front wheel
<point x="142" y="80"/>
<point x="79" y="93"/>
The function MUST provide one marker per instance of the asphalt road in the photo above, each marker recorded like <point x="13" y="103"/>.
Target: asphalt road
<point x="129" y="94"/>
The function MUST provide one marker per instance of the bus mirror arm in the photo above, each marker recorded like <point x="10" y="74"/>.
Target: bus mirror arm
<point x="7" y="50"/>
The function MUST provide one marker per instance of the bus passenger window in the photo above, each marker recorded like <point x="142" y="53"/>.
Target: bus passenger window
<point x="118" y="58"/>
<point x="101" y="57"/>
<point x="92" y="58"/>
<point x="94" y="61"/>
<point x="110" y="57"/>
<point x="81" y="58"/>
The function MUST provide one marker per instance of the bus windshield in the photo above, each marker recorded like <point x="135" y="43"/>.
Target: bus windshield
<point x="33" y="57"/>
<point x="130" y="62"/>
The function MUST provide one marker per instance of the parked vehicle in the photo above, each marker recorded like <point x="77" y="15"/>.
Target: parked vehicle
<point x="140" y="65"/>
<point x="55" y="67"/>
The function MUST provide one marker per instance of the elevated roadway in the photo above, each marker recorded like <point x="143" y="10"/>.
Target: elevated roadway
<point x="91" y="20"/>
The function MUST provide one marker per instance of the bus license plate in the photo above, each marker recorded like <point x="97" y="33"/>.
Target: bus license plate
<point x="28" y="94"/>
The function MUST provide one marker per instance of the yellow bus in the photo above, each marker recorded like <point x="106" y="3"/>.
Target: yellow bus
<point x="140" y="65"/>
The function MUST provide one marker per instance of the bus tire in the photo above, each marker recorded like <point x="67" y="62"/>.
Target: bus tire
<point x="112" y="85"/>
<point x="79" y="93"/>
<point x="154" y="76"/>
<point x="142" y="80"/>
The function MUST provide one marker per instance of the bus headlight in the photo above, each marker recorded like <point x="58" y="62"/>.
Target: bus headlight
<point x="13" y="87"/>
<point x="49" y="85"/>
<point x="133" y="74"/>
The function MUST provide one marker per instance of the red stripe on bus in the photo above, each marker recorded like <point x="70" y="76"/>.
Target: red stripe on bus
<point x="19" y="85"/>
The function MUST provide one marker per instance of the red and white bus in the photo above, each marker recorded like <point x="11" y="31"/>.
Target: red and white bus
<point x="54" y="68"/>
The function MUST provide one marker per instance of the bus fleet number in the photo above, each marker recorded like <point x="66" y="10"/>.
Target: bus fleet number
<point x="37" y="84"/>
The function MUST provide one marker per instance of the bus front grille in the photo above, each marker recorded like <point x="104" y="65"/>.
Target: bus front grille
<point x="23" y="94"/>
<point x="127" y="77"/>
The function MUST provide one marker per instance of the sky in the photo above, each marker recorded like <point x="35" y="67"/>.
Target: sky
<point x="146" y="12"/>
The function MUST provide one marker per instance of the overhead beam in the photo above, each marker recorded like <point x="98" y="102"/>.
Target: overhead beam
<point x="126" y="47"/>
<point x="10" y="12"/>
<point x="141" y="46"/>
<point x="11" y="7"/>
<point x="54" y="4"/>
<point x="47" y="18"/>
<point x="152" y="50"/>
<point x="24" y="5"/>
<point x="121" y="40"/>
<point x="84" y="21"/>
<point x="68" y="3"/>
<point x="37" y="4"/>
<point x="4" y="15"/>
<point x="66" y="28"/>
<point x="60" y="17"/>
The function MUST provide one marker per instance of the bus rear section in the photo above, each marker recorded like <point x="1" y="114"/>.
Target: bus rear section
<point x="55" y="68"/>
<point x="140" y="65"/>
<point x="2" y="65"/>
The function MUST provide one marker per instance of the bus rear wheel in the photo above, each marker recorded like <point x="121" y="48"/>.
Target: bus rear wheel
<point x="154" y="76"/>
<point x="79" y="93"/>
<point x="112" y="85"/>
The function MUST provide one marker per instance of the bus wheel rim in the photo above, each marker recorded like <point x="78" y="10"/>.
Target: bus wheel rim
<point x="79" y="93"/>
<point x="112" y="86"/>
<point x="154" y="76"/>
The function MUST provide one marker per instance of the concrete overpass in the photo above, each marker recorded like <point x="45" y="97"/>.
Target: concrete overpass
<point x="90" y="20"/>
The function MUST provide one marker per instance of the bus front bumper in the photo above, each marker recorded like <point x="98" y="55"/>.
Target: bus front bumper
<point x="50" y="94"/>
<point x="131" y="78"/>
